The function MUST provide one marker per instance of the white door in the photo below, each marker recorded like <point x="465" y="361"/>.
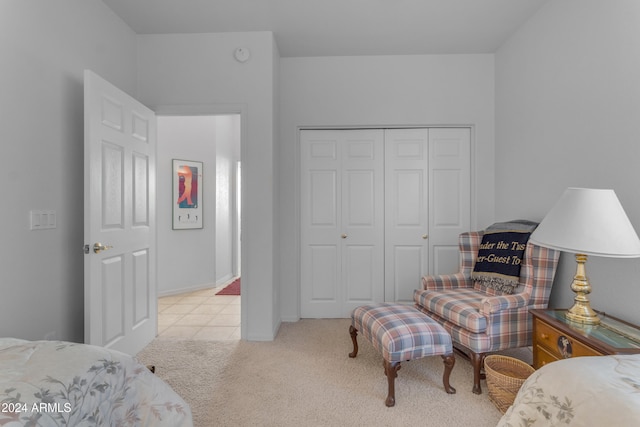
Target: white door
<point x="342" y="230"/>
<point x="427" y="205"/>
<point x="120" y="279"/>
<point x="406" y="211"/>
<point x="449" y="195"/>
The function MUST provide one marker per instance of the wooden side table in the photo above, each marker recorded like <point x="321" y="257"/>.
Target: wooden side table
<point x="555" y="337"/>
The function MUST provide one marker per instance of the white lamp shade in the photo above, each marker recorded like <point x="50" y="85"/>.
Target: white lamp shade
<point x="588" y="221"/>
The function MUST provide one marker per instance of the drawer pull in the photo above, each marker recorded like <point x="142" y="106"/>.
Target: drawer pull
<point x="564" y="347"/>
<point x="544" y="336"/>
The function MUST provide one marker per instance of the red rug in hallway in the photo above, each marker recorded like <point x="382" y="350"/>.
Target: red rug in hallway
<point x="231" y="289"/>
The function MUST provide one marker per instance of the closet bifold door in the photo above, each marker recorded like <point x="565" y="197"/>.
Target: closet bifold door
<point x="379" y="209"/>
<point x="406" y="211"/>
<point x="449" y="196"/>
<point x="427" y="205"/>
<point x="341" y="221"/>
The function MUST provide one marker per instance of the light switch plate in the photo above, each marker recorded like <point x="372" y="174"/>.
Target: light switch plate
<point x="43" y="219"/>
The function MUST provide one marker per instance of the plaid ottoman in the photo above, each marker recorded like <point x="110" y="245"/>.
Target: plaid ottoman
<point x="400" y="333"/>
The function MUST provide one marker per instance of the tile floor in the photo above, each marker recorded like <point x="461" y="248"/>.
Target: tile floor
<point x="199" y="315"/>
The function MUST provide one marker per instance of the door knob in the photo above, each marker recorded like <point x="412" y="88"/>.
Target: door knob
<point x="99" y="247"/>
<point x="425" y="236"/>
<point x="344" y="236"/>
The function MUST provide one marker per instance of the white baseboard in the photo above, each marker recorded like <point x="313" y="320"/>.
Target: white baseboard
<point x="186" y="289"/>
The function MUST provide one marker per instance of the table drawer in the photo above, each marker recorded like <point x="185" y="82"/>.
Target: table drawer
<point x="559" y="344"/>
<point x="542" y="356"/>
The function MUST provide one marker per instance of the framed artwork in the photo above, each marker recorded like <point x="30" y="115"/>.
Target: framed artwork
<point x="187" y="194"/>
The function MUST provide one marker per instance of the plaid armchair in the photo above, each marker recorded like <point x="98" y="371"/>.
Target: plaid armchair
<point x="480" y="319"/>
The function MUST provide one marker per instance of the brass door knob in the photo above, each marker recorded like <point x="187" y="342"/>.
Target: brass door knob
<point x="99" y="247"/>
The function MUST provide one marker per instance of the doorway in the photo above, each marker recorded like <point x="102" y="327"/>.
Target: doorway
<point x="194" y="264"/>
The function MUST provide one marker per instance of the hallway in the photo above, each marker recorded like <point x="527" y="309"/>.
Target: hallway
<point x="199" y="315"/>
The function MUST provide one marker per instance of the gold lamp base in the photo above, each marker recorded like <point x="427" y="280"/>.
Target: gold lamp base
<point x="581" y="312"/>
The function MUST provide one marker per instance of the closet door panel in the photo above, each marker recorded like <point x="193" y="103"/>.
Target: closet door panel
<point x="359" y="199"/>
<point x="359" y="277"/>
<point x="408" y="267"/>
<point x="320" y="259"/>
<point x="408" y="192"/>
<point x="324" y="269"/>
<point x="341" y="221"/>
<point x="362" y="218"/>
<point x="323" y="207"/>
<point x="446" y="258"/>
<point x="406" y="212"/>
<point x="449" y="195"/>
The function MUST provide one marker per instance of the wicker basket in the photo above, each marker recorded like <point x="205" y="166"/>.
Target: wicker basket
<point x="505" y="376"/>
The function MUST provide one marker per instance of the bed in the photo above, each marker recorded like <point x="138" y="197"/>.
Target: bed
<point x="582" y="391"/>
<point x="53" y="383"/>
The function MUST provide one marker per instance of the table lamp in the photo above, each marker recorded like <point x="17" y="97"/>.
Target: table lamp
<point x="586" y="222"/>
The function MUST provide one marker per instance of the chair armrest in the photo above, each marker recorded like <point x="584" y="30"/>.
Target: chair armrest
<point x="495" y="304"/>
<point x="446" y="281"/>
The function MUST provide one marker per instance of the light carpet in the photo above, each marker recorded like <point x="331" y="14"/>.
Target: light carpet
<point x="305" y="377"/>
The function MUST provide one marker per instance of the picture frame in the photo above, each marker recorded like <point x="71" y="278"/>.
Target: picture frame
<point x="187" y="198"/>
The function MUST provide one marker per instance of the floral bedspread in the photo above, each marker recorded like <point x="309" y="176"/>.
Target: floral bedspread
<point x="582" y="391"/>
<point x="56" y="383"/>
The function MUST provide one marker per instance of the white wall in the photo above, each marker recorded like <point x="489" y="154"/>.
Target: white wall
<point x="186" y="258"/>
<point x="379" y="91"/>
<point x="198" y="72"/>
<point x="45" y="46"/>
<point x="567" y="114"/>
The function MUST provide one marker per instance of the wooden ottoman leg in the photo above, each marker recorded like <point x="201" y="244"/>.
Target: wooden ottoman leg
<point x="354" y="334"/>
<point x="449" y="363"/>
<point x="391" y="371"/>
